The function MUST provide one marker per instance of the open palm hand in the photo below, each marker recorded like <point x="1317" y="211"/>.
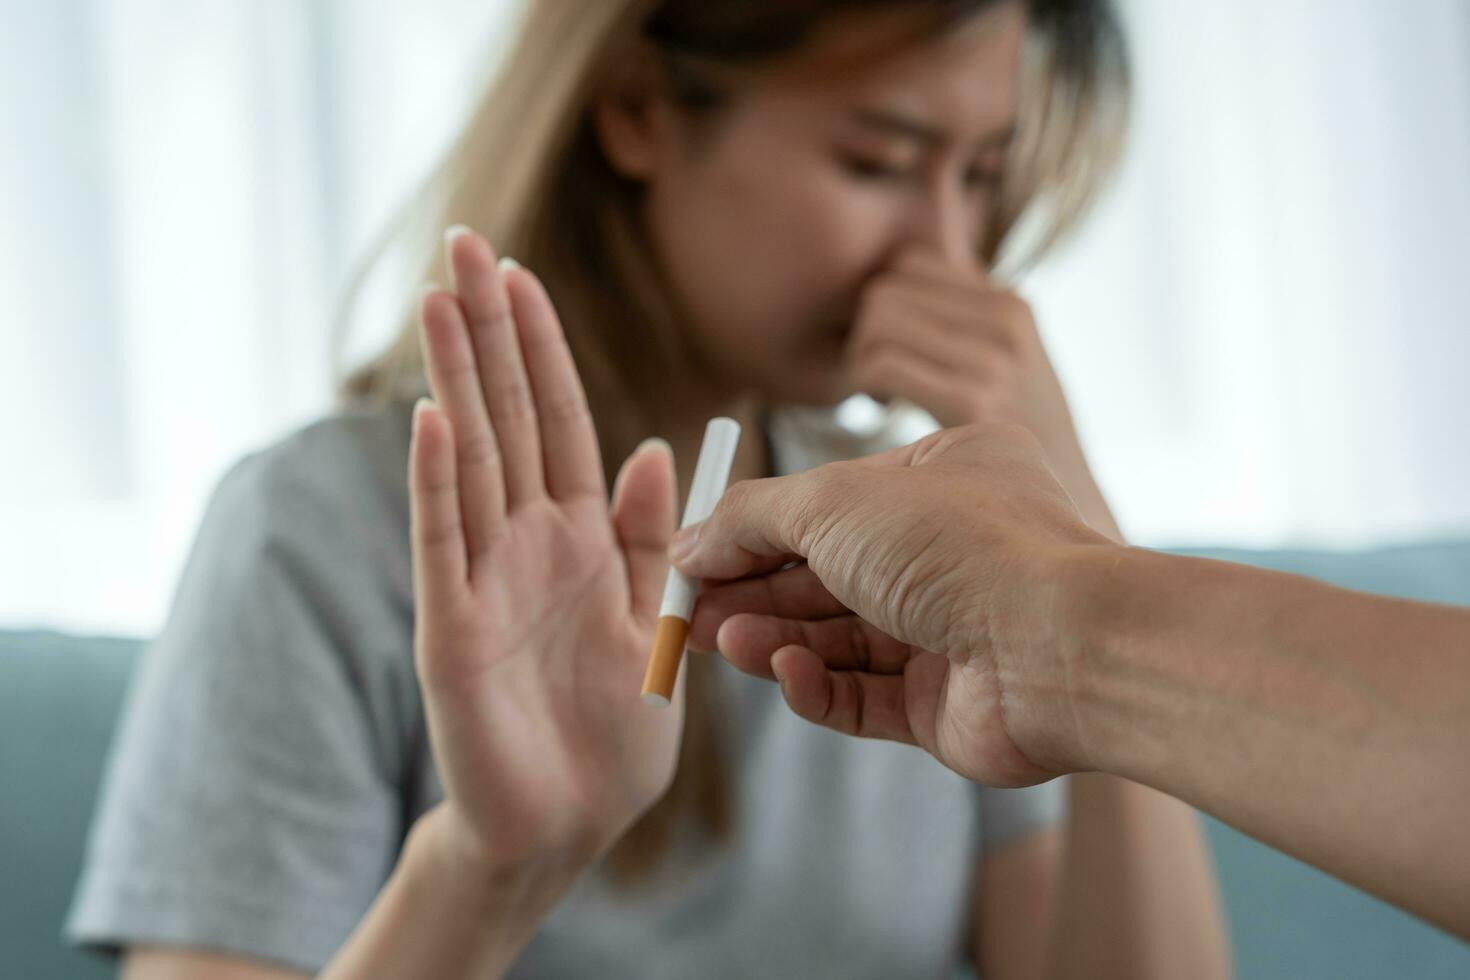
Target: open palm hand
<point x="536" y="601"/>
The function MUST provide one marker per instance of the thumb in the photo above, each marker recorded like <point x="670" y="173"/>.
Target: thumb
<point x="757" y="526"/>
<point x="643" y="519"/>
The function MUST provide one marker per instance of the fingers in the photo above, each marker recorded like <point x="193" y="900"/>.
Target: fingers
<point x="931" y="266"/>
<point x="894" y="372"/>
<point x="866" y="705"/>
<point x="960" y="299"/>
<point x="502" y="371"/>
<point x="572" y="460"/>
<point x="643" y="517"/>
<point x="760" y="525"/>
<point x="846" y="643"/>
<point x="792" y="593"/>
<point x="436" y="528"/>
<point x="975" y="357"/>
<point x="900" y="310"/>
<point x="449" y="359"/>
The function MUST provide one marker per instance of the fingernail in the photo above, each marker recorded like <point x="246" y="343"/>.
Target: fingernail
<point x="684" y="543"/>
<point x="418" y="407"/>
<point x="507" y="263"/>
<point x="450" y="234"/>
<point x="655" y="441"/>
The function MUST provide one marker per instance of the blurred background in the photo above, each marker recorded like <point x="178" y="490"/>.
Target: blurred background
<point x="1263" y="330"/>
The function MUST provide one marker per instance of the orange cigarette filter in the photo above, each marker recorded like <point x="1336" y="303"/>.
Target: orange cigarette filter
<point x="663" y="663"/>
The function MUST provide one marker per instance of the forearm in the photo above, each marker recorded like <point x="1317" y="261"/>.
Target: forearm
<point x="442" y="914"/>
<point x="1329" y="724"/>
<point x="1136" y="896"/>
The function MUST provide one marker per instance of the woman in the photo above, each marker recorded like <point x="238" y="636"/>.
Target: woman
<point x="743" y="208"/>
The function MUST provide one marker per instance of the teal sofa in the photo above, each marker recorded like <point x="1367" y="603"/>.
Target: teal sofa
<point x="59" y="699"/>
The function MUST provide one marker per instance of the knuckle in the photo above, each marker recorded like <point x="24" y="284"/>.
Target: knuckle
<point x="734" y="501"/>
<point x="439" y="534"/>
<point x="459" y="369"/>
<point x="959" y="439"/>
<point x="478" y="448"/>
<point x="823" y="490"/>
<point x="862" y="650"/>
<point x="881" y="293"/>
<point x="735" y="498"/>
<point x="884" y="357"/>
<point x="510" y="401"/>
<point x="568" y="408"/>
<point x="491" y="317"/>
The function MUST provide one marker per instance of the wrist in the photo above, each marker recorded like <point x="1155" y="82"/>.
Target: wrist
<point x="446" y="913"/>
<point x="1094" y="615"/>
<point x="1043" y="642"/>
<point x="453" y="858"/>
<point x="1123" y="614"/>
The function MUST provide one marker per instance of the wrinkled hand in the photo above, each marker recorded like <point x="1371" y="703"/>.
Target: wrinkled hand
<point x="535" y="602"/>
<point x="948" y="339"/>
<point x="921" y="609"/>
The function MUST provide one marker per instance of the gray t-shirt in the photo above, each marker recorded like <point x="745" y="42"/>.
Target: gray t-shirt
<point x="273" y="754"/>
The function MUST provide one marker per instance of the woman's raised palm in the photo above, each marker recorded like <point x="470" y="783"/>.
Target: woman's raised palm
<point x="536" y="601"/>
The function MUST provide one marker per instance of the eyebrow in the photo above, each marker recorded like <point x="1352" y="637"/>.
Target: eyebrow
<point x="899" y="124"/>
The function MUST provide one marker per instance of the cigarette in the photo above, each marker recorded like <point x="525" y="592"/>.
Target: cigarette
<point x="711" y="474"/>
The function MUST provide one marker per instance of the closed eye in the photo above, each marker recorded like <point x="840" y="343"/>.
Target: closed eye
<point x="983" y="178"/>
<point x="867" y="168"/>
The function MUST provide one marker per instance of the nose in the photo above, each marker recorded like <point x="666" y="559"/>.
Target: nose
<point x="941" y="220"/>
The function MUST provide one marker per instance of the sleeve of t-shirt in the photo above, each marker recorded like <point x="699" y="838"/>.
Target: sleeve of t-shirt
<point x="253" y="800"/>
<point x="1007" y="815"/>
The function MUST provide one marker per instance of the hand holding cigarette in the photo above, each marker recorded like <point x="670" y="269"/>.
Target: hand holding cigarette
<point x="952" y="597"/>
<point x="918" y="566"/>
<point x="534" y="600"/>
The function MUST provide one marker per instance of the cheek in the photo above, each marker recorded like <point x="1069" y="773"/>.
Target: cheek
<point x="845" y="229"/>
<point x="766" y="253"/>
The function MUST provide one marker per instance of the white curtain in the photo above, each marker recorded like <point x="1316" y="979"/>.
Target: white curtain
<point x="1263" y="330"/>
<point x="1266" y="330"/>
<point x="185" y="185"/>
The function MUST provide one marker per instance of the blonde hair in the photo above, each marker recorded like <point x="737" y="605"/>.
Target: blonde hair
<point x="528" y="171"/>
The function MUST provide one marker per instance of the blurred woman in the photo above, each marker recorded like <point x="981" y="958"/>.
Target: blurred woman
<point x="338" y="758"/>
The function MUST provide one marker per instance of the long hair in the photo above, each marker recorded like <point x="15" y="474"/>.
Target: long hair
<point x="528" y="171"/>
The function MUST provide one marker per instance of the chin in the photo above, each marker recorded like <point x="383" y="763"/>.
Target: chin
<point x="819" y="386"/>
